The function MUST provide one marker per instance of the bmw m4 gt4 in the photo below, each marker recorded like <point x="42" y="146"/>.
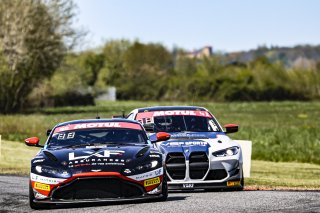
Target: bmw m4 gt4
<point x="96" y="160"/>
<point x="199" y="154"/>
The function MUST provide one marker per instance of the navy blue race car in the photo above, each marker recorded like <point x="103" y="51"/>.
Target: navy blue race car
<point x="96" y="160"/>
<point x="199" y="154"/>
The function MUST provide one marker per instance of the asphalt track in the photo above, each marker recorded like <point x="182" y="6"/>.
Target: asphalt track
<point x="14" y="198"/>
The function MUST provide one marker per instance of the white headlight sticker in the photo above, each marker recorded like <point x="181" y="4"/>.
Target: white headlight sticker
<point x="147" y="175"/>
<point x="47" y="180"/>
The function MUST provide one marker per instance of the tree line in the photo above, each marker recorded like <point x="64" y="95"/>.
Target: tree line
<point x="36" y="68"/>
<point x="151" y="72"/>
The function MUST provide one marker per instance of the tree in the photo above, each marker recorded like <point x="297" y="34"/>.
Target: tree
<point x="145" y="65"/>
<point x="114" y="52"/>
<point x="34" y="37"/>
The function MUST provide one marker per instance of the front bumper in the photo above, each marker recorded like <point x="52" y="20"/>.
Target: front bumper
<point x="230" y="182"/>
<point x="202" y="173"/>
<point x="99" y="187"/>
<point x="100" y="200"/>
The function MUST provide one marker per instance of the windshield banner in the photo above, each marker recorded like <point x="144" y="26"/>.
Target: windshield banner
<point x="142" y="115"/>
<point x="98" y="125"/>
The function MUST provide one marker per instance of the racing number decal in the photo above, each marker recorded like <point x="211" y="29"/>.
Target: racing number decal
<point x="188" y="185"/>
<point x="152" y="181"/>
<point x="62" y="136"/>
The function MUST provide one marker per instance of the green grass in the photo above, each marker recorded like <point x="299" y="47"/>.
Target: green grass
<point x="15" y="159"/>
<point x="280" y="131"/>
<point x="292" y="175"/>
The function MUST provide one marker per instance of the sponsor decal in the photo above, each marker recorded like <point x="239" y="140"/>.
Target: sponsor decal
<point x="184" y="135"/>
<point x="152" y="181"/>
<point x="233" y="183"/>
<point x="145" y="115"/>
<point x="127" y="171"/>
<point x="38" y="160"/>
<point x="147" y="175"/>
<point x="42" y="186"/>
<point x="154" y="156"/>
<point x="97" y="125"/>
<point x="96" y="162"/>
<point x="102" y="158"/>
<point x="96" y="146"/>
<point x="101" y="154"/>
<point x="63" y="136"/>
<point x="186" y="143"/>
<point x="46" y="180"/>
<point x="187" y="185"/>
<point x="38" y="195"/>
<point x="146" y="120"/>
<point x="157" y="190"/>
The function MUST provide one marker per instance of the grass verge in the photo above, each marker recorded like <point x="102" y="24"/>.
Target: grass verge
<point x="272" y="175"/>
<point x="15" y="159"/>
<point x="280" y="131"/>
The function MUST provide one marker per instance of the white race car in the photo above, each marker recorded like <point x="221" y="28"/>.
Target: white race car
<point x="199" y="154"/>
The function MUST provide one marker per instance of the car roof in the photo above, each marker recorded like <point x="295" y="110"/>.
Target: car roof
<point x="97" y="120"/>
<point x="169" y="108"/>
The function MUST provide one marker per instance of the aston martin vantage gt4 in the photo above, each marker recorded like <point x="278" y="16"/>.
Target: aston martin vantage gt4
<point x="96" y="160"/>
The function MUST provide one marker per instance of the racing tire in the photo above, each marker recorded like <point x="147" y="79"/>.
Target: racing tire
<point x="32" y="204"/>
<point x="241" y="183"/>
<point x="164" y="189"/>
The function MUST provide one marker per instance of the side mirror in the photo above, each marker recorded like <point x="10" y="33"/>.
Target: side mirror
<point x="230" y="128"/>
<point x="149" y="127"/>
<point x="162" y="136"/>
<point x="49" y="131"/>
<point x="34" y="141"/>
<point x="118" y="116"/>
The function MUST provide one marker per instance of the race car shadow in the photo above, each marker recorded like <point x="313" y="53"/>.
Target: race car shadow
<point x="204" y="190"/>
<point x="176" y="198"/>
<point x="111" y="203"/>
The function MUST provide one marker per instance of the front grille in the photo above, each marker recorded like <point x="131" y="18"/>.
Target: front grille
<point x="217" y="174"/>
<point x="198" y="164"/>
<point x="98" y="187"/>
<point x="176" y="165"/>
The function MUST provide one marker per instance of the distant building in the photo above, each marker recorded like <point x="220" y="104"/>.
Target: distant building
<point x="109" y="95"/>
<point x="201" y="53"/>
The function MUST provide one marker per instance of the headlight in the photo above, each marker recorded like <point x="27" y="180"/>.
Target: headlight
<point x="52" y="171"/>
<point x="152" y="164"/>
<point x="143" y="168"/>
<point x="226" y="152"/>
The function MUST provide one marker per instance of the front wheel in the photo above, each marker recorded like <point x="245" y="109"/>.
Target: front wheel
<point x="164" y="189"/>
<point x="241" y="182"/>
<point x="32" y="204"/>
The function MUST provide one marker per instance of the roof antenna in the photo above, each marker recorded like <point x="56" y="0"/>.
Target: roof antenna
<point x="193" y="95"/>
<point x="123" y="115"/>
<point x="98" y="117"/>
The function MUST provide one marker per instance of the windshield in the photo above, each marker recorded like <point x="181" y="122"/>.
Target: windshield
<point x="185" y="123"/>
<point x="101" y="136"/>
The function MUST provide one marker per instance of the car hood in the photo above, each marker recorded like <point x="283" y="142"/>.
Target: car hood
<point x="95" y="159"/>
<point x="188" y="142"/>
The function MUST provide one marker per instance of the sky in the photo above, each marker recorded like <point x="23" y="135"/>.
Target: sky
<point x="226" y="25"/>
